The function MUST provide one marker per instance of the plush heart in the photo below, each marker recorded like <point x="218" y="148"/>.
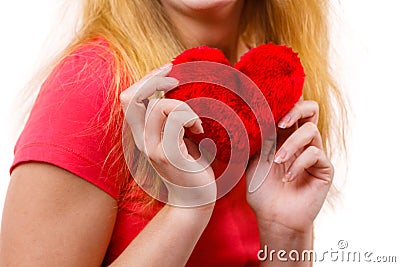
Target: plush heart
<point x="275" y="70"/>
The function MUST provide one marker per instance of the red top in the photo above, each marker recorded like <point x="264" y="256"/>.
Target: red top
<point x="65" y="129"/>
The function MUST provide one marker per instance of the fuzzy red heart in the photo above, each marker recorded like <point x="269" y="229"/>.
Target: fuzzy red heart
<point x="275" y="70"/>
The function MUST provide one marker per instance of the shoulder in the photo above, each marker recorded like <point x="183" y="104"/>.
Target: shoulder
<point x="89" y="66"/>
<point x="67" y="126"/>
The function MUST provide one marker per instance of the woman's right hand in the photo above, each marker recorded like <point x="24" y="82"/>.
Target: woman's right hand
<point x="157" y="127"/>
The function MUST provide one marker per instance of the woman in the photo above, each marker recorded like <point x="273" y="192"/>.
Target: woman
<point x="71" y="199"/>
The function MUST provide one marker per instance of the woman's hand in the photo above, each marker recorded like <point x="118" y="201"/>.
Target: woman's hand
<point x="158" y="126"/>
<point x="300" y="176"/>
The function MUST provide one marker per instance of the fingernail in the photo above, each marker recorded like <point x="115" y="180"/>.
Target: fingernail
<point x="201" y="127"/>
<point x="166" y="66"/>
<point x="282" y="125"/>
<point x="288" y="177"/>
<point x="284" y="122"/>
<point x="172" y="81"/>
<point x="280" y="156"/>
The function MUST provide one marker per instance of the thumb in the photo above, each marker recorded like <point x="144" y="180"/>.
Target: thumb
<point x="260" y="166"/>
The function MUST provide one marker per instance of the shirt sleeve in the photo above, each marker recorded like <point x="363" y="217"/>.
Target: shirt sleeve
<point x="66" y="126"/>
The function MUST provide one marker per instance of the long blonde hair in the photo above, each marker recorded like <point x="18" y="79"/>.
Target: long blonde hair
<point x="142" y="38"/>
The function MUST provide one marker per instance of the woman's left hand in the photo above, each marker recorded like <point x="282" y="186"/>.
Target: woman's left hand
<point x="300" y="176"/>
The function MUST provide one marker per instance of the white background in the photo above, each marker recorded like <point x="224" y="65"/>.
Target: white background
<point x="366" y="39"/>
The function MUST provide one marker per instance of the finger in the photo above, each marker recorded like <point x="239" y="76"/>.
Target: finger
<point x="315" y="162"/>
<point x="148" y="85"/>
<point x="133" y="104"/>
<point x="156" y="115"/>
<point x="307" y="135"/>
<point x="305" y="111"/>
<point x="173" y="144"/>
<point x="142" y="90"/>
<point x="163" y="71"/>
<point x="135" y="110"/>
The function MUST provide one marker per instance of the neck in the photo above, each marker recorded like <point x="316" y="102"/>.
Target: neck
<point x="217" y="28"/>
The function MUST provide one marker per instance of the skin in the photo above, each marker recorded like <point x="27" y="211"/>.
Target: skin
<point x="213" y="23"/>
<point x="54" y="218"/>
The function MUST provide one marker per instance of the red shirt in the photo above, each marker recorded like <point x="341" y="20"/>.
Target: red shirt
<point x="65" y="128"/>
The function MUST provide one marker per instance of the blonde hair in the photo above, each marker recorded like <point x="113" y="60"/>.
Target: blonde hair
<point x="142" y="38"/>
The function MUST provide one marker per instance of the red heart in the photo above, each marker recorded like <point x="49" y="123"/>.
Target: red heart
<point x="276" y="70"/>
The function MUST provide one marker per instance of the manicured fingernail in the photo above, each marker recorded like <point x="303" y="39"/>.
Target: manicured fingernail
<point x="166" y="66"/>
<point x="172" y="81"/>
<point x="201" y="126"/>
<point x="288" y="177"/>
<point x="280" y="156"/>
<point x="284" y="122"/>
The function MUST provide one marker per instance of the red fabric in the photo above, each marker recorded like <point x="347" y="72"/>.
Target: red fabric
<point x="65" y="128"/>
<point x="65" y="125"/>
